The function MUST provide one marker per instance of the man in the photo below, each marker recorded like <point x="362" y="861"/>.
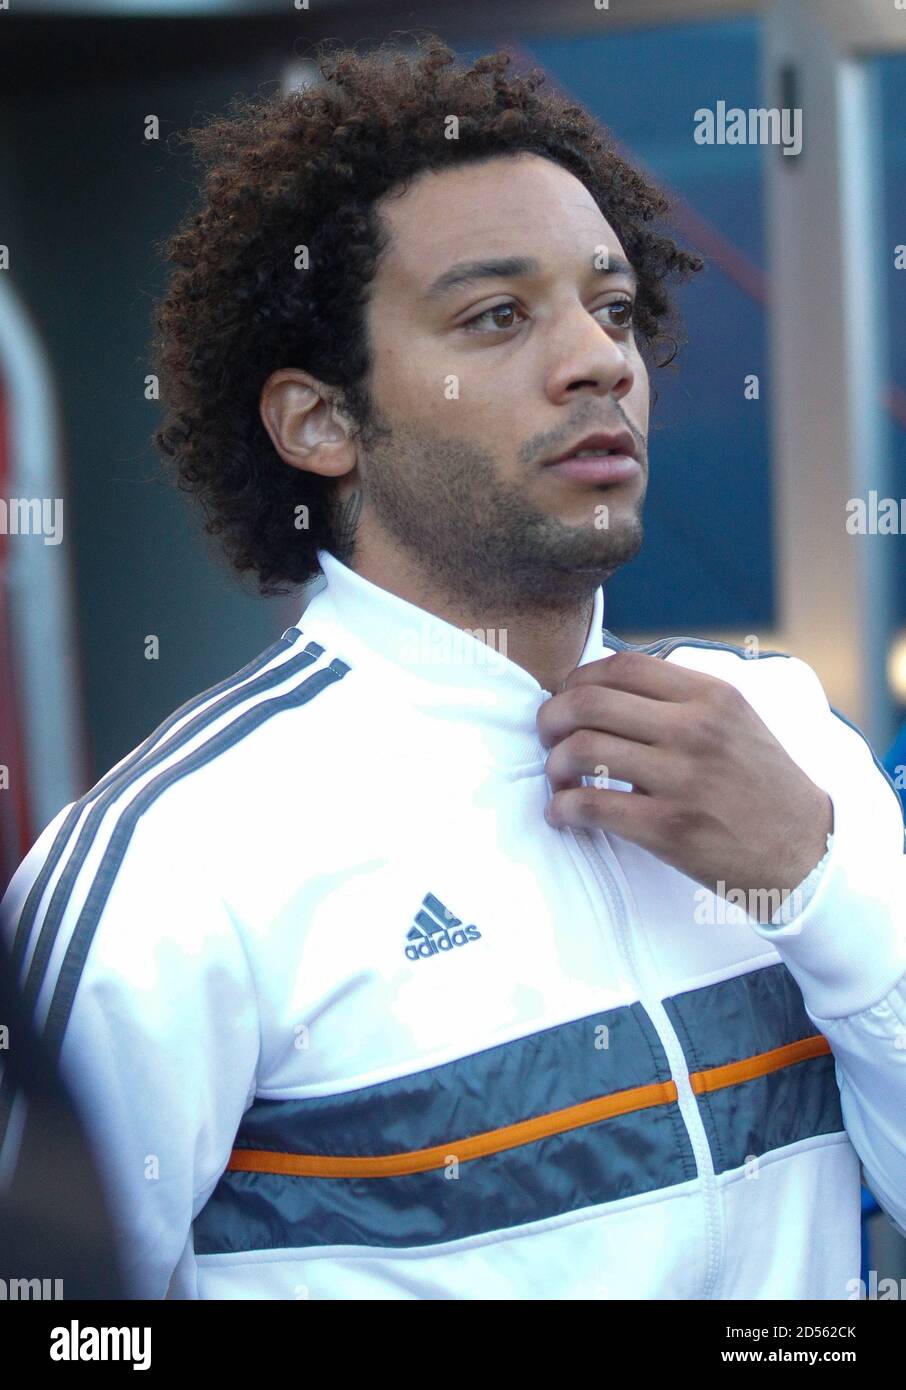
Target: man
<point x="452" y="949"/>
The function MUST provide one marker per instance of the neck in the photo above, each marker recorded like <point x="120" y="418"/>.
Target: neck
<point x="545" y="638"/>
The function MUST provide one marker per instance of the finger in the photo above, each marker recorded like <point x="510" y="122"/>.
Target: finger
<point x="627" y="814"/>
<point x="642" y="674"/>
<point x="618" y="712"/>
<point x="587" y="753"/>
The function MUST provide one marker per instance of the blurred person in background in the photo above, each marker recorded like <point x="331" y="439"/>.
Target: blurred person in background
<point x="55" y="1225"/>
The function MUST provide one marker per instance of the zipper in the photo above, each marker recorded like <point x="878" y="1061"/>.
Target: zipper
<point x="618" y="895"/>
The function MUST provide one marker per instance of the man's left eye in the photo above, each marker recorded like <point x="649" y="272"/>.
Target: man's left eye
<point x="623" y="306"/>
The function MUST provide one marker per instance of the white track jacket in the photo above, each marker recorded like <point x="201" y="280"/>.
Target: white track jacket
<point x="346" y="1018"/>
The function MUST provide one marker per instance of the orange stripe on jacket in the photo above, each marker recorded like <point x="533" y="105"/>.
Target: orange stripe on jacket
<point x="588" y="1112"/>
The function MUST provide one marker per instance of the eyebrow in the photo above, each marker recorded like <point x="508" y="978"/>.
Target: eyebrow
<point x="510" y="267"/>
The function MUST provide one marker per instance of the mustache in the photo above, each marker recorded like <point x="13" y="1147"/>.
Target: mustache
<point x="552" y="446"/>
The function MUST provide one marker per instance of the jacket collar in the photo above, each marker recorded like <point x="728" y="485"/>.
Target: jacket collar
<point x="443" y="670"/>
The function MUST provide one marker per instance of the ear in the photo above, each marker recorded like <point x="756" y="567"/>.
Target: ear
<point x="305" y="427"/>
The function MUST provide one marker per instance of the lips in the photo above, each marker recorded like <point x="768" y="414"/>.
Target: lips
<point x="602" y="442"/>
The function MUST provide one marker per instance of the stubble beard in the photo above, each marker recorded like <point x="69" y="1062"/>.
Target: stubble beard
<point x="480" y="540"/>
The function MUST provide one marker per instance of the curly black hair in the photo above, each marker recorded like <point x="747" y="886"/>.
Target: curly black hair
<point x="306" y="169"/>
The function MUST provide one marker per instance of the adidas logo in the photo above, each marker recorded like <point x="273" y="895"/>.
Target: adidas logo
<point x="436" y="930"/>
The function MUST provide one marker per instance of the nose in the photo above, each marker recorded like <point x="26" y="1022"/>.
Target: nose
<point x="585" y="355"/>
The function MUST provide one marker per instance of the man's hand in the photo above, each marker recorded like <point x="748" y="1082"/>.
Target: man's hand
<point x="714" y="794"/>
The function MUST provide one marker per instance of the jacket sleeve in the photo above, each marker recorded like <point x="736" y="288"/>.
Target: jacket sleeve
<point x="847" y="948"/>
<point x="160" y="1046"/>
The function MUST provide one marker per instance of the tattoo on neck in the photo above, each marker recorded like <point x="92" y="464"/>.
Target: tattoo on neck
<point x="347" y="521"/>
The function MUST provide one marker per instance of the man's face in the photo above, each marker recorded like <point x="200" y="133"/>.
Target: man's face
<point x="476" y="384"/>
